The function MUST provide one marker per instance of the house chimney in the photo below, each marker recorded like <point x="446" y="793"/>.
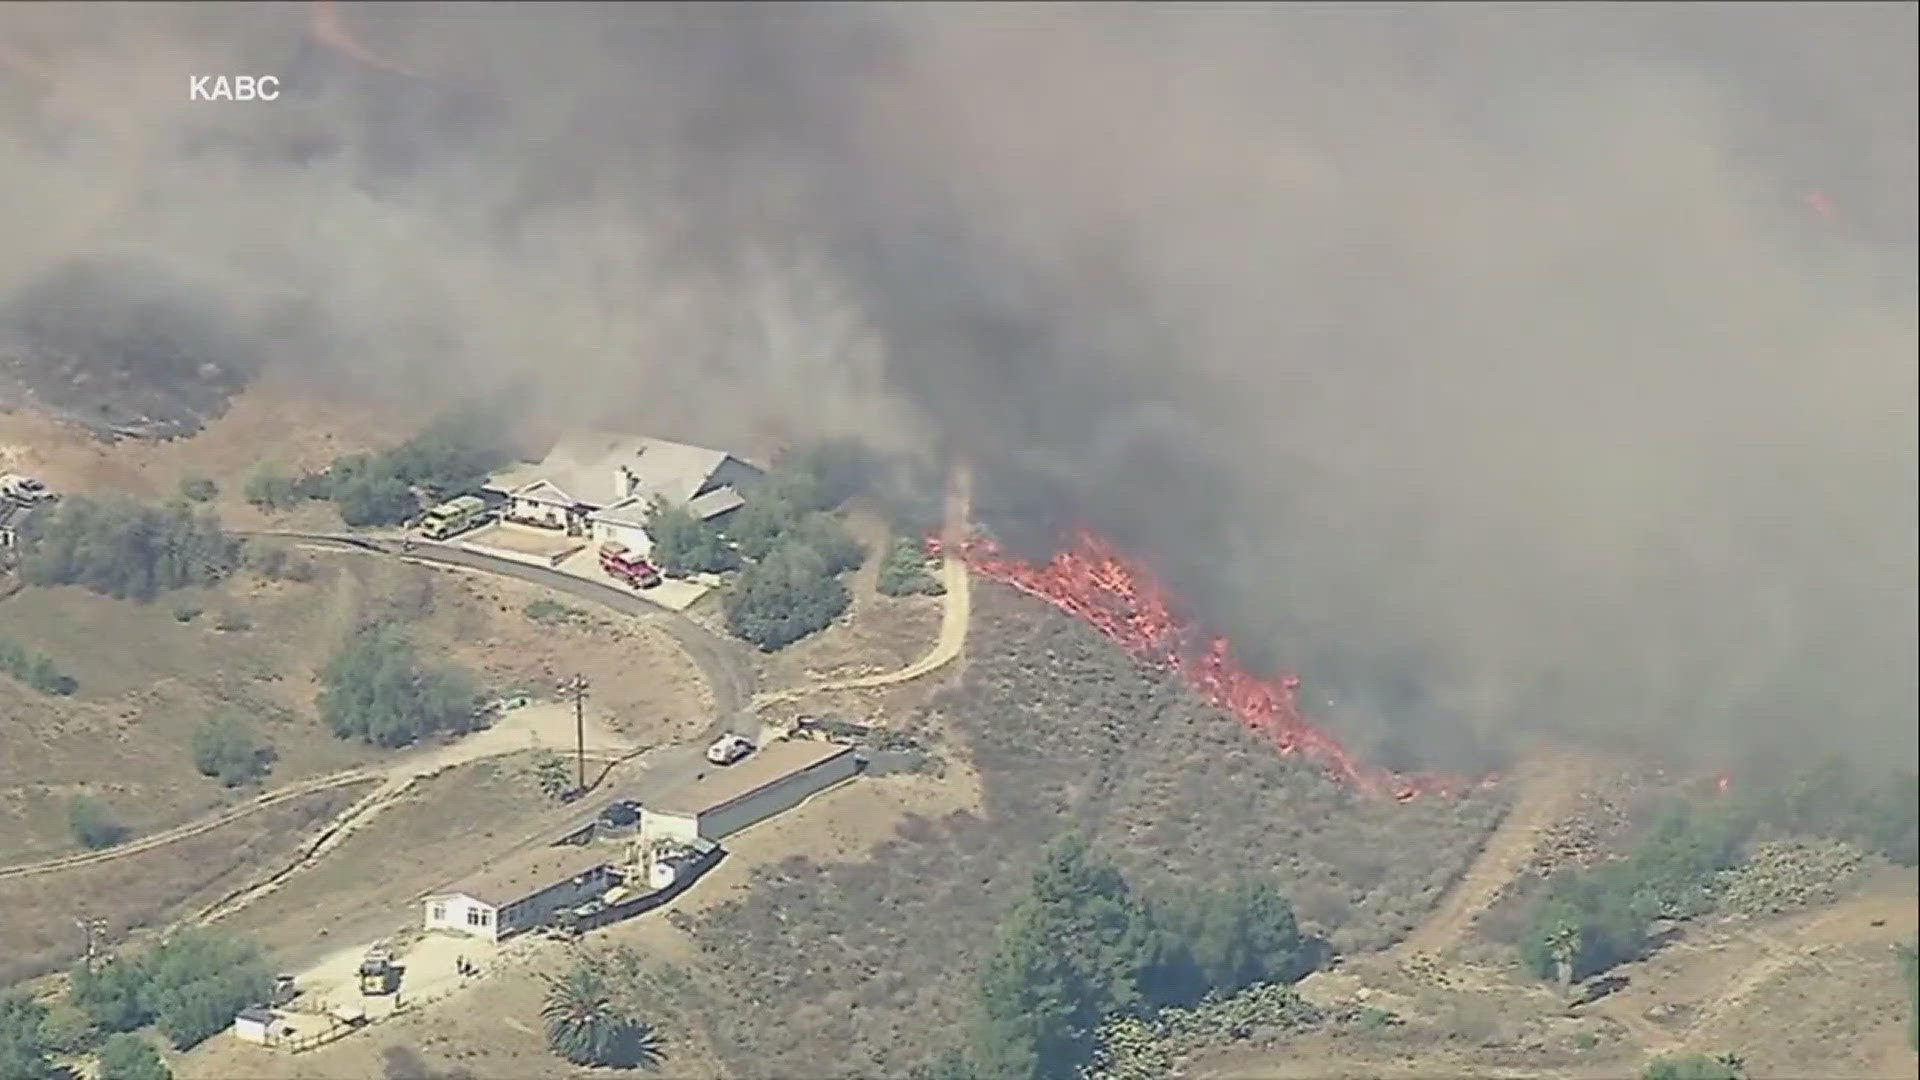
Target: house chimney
<point x="623" y="482"/>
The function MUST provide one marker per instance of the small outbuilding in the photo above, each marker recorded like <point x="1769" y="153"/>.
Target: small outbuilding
<point x="726" y="799"/>
<point x="254" y="1024"/>
<point x="521" y="892"/>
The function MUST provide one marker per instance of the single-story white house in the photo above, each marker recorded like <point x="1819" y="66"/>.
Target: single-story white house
<point x="521" y="892"/>
<point x="728" y="798"/>
<point x="602" y="485"/>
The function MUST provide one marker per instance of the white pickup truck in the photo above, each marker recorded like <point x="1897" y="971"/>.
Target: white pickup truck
<point x="728" y="749"/>
<point x="25" y="489"/>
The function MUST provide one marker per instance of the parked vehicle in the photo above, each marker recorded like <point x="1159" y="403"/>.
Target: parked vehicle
<point x="378" y="974"/>
<point x="453" y="517"/>
<point x="728" y="749"/>
<point x="25" y="489"/>
<point x="619" y="562"/>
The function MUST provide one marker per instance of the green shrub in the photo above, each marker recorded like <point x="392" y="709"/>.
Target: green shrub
<point x="377" y="689"/>
<point x="271" y="489"/>
<point x="1696" y="1067"/>
<point x="123" y="549"/>
<point x="130" y="1057"/>
<point x="186" y="613"/>
<point x="35" y="670"/>
<point x="198" y="489"/>
<point x="548" y="612"/>
<point x="226" y="749"/>
<point x="232" y="622"/>
<point x="904" y="571"/>
<point x="93" y="825"/>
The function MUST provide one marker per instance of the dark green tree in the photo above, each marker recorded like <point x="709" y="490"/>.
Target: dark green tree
<point x="130" y="1057"/>
<point x="23" y="1048"/>
<point x="783" y="598"/>
<point x="587" y="1027"/>
<point x="377" y="689"/>
<point x="1224" y="940"/>
<point x="1076" y="948"/>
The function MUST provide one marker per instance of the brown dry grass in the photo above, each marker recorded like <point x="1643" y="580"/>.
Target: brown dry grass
<point x="847" y="964"/>
<point x="147" y="681"/>
<point x="443" y="828"/>
<point x="150" y="889"/>
<point x="274" y="421"/>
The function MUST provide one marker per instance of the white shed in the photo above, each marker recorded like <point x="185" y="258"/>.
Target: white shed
<point x="254" y="1024"/>
<point x="728" y="798"/>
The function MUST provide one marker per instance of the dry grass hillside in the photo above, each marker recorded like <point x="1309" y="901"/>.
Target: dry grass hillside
<point x="149" y="674"/>
<point x="864" y="965"/>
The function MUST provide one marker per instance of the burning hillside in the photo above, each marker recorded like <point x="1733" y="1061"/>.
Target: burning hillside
<point x="1123" y="600"/>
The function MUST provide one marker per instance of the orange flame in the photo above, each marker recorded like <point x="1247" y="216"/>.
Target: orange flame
<point x="1125" y="602"/>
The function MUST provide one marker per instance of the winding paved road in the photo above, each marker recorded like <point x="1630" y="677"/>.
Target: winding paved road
<point x="722" y="663"/>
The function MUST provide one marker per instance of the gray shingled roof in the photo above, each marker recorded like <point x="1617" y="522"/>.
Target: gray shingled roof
<point x="584" y="467"/>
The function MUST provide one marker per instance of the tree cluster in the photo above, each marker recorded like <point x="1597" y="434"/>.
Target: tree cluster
<point x="227" y="749"/>
<point x="378" y="689"/>
<point x="35" y="670"/>
<point x="449" y="457"/>
<point x="123" y="549"/>
<point x="24" y="1052"/>
<point x="1082" y="946"/>
<point x="797" y="549"/>
<point x="190" y="986"/>
<point x="1588" y="922"/>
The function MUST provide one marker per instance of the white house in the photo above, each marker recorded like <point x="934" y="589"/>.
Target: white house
<point x="726" y="799"/>
<point x="602" y="485"/>
<point x="521" y="892"/>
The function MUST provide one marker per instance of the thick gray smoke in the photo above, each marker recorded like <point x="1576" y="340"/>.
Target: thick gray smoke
<point x="1491" y="366"/>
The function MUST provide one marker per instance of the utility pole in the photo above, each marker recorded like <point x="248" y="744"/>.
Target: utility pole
<point x="94" y="929"/>
<point x="577" y="686"/>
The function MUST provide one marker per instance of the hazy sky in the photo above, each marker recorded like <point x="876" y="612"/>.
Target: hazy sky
<point x="1490" y="365"/>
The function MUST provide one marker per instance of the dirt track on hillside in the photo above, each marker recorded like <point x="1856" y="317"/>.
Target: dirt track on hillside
<point x="1545" y="792"/>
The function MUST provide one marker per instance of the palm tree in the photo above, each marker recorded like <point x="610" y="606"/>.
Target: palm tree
<point x="585" y="1026"/>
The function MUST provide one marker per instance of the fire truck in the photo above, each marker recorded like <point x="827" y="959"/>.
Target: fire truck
<point x="620" y="563"/>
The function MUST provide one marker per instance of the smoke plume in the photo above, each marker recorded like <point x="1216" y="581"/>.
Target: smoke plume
<point x="1488" y="366"/>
